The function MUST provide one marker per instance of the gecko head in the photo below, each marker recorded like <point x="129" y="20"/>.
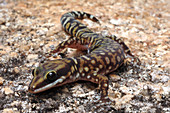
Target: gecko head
<point x="50" y="74"/>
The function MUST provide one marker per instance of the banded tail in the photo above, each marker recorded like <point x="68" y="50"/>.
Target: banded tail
<point x="73" y="26"/>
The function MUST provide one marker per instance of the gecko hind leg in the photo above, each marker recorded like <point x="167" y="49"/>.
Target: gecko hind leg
<point x="127" y="51"/>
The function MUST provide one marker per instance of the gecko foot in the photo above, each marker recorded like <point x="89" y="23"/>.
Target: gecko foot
<point x="103" y="105"/>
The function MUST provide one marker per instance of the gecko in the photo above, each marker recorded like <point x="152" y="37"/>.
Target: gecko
<point x="105" y="54"/>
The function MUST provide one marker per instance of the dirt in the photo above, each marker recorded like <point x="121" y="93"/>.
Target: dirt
<point x="29" y="29"/>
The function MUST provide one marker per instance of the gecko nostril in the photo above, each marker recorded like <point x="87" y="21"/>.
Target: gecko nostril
<point x="33" y="87"/>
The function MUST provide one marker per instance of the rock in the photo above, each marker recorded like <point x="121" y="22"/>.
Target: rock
<point x="32" y="56"/>
<point x="116" y="22"/>
<point x="7" y="91"/>
<point x="14" y="54"/>
<point x="2" y="52"/>
<point x="125" y="99"/>
<point x="2" y="21"/>
<point x="16" y="70"/>
<point x="8" y="110"/>
<point x="1" y="81"/>
<point x="114" y="77"/>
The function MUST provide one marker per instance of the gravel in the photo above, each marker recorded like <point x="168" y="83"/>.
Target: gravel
<point x="29" y="29"/>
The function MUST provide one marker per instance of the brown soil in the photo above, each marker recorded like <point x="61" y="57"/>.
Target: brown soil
<point x="28" y="29"/>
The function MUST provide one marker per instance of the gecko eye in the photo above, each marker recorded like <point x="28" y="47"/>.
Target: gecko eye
<point x="51" y="76"/>
<point x="33" y="71"/>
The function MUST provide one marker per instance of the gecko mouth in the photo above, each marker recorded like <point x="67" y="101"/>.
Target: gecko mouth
<point x="46" y="87"/>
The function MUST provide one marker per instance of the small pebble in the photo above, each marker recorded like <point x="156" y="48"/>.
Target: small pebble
<point x="7" y="91"/>
<point x="1" y="81"/>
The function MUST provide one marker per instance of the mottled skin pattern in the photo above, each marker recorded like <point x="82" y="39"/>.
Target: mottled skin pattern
<point x="104" y="55"/>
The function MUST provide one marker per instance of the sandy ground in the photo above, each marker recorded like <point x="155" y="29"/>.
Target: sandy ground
<point x="28" y="29"/>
